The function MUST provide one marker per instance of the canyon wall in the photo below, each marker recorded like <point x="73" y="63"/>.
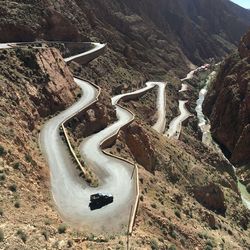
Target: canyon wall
<point x="228" y="104"/>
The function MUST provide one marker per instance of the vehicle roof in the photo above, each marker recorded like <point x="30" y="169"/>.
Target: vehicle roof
<point x="100" y="194"/>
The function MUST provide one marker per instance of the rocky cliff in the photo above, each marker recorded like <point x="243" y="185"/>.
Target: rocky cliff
<point x="33" y="85"/>
<point x="153" y="38"/>
<point x="228" y="104"/>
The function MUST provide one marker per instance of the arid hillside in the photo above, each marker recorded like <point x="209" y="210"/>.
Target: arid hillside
<point x="153" y="38"/>
<point x="228" y="104"/>
<point x="188" y="192"/>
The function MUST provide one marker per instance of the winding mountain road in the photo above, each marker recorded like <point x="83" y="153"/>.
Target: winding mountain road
<point x="70" y="193"/>
<point x="160" y="124"/>
<point x="176" y="124"/>
<point x="96" y="47"/>
<point x="184" y="87"/>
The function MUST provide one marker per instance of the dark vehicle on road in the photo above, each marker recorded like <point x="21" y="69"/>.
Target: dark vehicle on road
<point x="100" y="200"/>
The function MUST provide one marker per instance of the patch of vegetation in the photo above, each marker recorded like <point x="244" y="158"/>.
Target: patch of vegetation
<point x="153" y="205"/>
<point x="17" y="204"/>
<point x="203" y="235"/>
<point x="177" y="213"/>
<point x="22" y="235"/>
<point x="1" y="235"/>
<point x="172" y="247"/>
<point x="70" y="243"/>
<point x="62" y="228"/>
<point x="2" y="151"/>
<point x="173" y="234"/>
<point x="16" y="165"/>
<point x="248" y="187"/>
<point x="154" y="244"/>
<point x="209" y="245"/>
<point x="13" y="188"/>
<point x="29" y="159"/>
<point x="2" y="177"/>
<point x="28" y="57"/>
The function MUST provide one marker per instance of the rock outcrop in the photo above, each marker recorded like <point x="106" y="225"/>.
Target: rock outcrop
<point x="139" y="144"/>
<point x="211" y="197"/>
<point x="227" y="105"/>
<point x="244" y="47"/>
<point x="94" y="119"/>
<point x="33" y="83"/>
<point x="152" y="37"/>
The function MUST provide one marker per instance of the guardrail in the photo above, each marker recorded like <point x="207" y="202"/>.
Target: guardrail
<point x="106" y="142"/>
<point x="72" y="150"/>
<point x="74" y="114"/>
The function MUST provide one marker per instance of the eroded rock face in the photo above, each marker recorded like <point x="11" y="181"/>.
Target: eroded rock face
<point x="211" y="197"/>
<point x="94" y="119"/>
<point x="244" y="47"/>
<point x="139" y="144"/>
<point x="40" y="75"/>
<point x="60" y="81"/>
<point x="227" y="105"/>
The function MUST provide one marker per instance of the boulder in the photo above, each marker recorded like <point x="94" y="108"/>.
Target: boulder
<point x="212" y="197"/>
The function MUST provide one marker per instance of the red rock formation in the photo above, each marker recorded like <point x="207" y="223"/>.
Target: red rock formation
<point x="211" y="197"/>
<point x="244" y="47"/>
<point x="139" y="144"/>
<point x="228" y="105"/>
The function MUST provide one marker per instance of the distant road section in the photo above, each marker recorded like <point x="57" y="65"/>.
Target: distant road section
<point x="176" y="124"/>
<point x="96" y="48"/>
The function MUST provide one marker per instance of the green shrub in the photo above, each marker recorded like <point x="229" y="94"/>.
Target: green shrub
<point x="70" y="243"/>
<point x="62" y="228"/>
<point x="173" y="234"/>
<point x="28" y="158"/>
<point x="208" y="248"/>
<point x="182" y="241"/>
<point x="154" y="244"/>
<point x="203" y="235"/>
<point x="16" y="165"/>
<point x="1" y="235"/>
<point x="120" y="242"/>
<point x="2" y="177"/>
<point x="22" y="235"/>
<point x="13" y="188"/>
<point x="172" y="247"/>
<point x="153" y="205"/>
<point x="17" y="204"/>
<point x="209" y="243"/>
<point x="2" y="151"/>
<point x="177" y="213"/>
